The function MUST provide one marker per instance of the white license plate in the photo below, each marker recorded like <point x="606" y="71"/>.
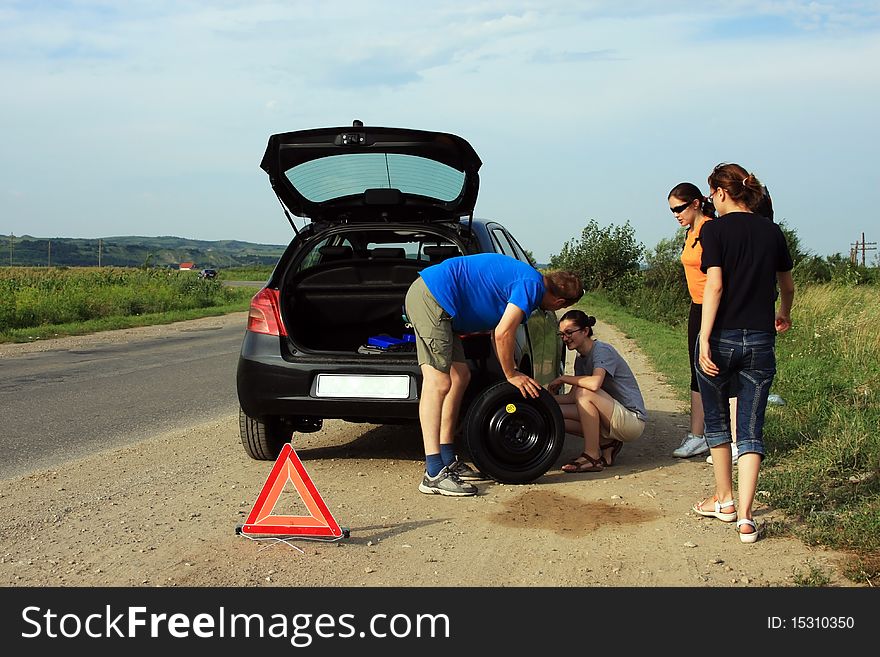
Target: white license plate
<point x="363" y="386"/>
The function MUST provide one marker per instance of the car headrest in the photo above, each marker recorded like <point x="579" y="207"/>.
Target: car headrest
<point x="388" y="252"/>
<point x="438" y="253"/>
<point x="330" y="253"/>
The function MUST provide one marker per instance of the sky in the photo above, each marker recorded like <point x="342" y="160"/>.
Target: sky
<point x="151" y="117"/>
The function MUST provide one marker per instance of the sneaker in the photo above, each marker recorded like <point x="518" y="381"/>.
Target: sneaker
<point x="734" y="452"/>
<point x="446" y="483"/>
<point x="466" y="472"/>
<point x="692" y="445"/>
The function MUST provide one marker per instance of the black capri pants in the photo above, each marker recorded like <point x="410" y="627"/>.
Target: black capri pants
<point x="695" y="317"/>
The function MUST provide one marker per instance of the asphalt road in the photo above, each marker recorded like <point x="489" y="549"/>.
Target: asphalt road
<point x="63" y="404"/>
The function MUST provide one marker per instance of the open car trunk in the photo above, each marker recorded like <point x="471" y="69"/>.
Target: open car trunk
<point x="337" y="307"/>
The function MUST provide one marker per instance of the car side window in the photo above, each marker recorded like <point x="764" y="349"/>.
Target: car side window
<point x="326" y="250"/>
<point x="520" y="252"/>
<point x="509" y="245"/>
<point x="502" y="243"/>
<point x="313" y="257"/>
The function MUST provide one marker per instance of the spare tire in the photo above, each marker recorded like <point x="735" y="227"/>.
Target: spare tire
<point x="511" y="438"/>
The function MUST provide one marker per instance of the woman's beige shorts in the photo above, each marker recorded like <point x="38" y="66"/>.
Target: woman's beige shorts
<point x="626" y="426"/>
<point x="437" y="344"/>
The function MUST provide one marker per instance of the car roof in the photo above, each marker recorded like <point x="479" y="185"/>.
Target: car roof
<point x="362" y="173"/>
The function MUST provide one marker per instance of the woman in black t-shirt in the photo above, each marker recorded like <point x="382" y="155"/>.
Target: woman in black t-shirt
<point x="745" y="256"/>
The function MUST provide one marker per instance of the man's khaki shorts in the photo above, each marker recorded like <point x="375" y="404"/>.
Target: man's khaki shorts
<point x="437" y="344"/>
<point x="626" y="426"/>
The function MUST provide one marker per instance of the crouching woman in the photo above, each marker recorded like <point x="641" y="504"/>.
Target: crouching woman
<point x="604" y="404"/>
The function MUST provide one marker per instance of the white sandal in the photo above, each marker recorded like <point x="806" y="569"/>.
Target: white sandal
<point x="747" y="538"/>
<point x="716" y="512"/>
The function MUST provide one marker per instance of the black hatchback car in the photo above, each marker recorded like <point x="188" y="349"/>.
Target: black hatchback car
<point x="327" y="336"/>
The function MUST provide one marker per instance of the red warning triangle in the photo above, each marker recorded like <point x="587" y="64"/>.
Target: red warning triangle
<point x="288" y="468"/>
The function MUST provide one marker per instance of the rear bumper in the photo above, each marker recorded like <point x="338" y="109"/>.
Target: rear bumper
<point x="269" y="385"/>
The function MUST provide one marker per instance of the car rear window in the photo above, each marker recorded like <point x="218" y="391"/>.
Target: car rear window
<point x="337" y="176"/>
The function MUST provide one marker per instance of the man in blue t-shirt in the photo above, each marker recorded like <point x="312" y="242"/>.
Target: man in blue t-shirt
<point x="483" y="292"/>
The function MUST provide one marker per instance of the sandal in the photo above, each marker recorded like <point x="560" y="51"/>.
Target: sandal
<point x="716" y="512"/>
<point x="751" y="537"/>
<point x="617" y="446"/>
<point x="588" y="465"/>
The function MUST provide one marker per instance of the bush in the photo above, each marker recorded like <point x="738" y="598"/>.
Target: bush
<point x="837" y="269"/>
<point x="603" y="258"/>
<point x="659" y="292"/>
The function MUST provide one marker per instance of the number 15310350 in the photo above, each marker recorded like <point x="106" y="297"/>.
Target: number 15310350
<point x="811" y="623"/>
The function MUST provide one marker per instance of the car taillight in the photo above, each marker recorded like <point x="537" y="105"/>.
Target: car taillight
<point x="265" y="315"/>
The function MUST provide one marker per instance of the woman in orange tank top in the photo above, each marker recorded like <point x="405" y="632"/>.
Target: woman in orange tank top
<point x="692" y="210"/>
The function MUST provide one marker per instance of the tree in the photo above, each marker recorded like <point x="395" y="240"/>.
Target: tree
<point x="602" y="257"/>
<point x="794" y="243"/>
<point x="664" y="264"/>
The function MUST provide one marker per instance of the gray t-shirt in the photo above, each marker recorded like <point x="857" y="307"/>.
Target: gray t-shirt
<point x="619" y="381"/>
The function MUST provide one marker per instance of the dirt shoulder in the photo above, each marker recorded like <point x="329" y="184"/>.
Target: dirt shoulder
<point x="163" y="513"/>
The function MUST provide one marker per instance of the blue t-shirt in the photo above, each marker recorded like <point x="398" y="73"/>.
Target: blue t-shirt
<point x="476" y="289"/>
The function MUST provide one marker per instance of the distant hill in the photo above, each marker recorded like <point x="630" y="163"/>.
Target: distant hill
<point x="134" y="251"/>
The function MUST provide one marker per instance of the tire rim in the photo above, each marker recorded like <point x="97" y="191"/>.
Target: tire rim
<point x="518" y="439"/>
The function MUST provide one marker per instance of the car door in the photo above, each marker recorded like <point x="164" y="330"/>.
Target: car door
<point x="538" y="335"/>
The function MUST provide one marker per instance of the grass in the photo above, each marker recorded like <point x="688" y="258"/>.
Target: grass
<point x="823" y="446"/>
<point x="246" y="273"/>
<point x="120" y="322"/>
<point x="41" y="302"/>
<point x="813" y="576"/>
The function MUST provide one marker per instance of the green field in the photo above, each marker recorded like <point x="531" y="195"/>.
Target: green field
<point x="246" y="273"/>
<point x="41" y="302"/>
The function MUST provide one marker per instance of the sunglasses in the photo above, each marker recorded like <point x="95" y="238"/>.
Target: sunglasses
<point x="569" y="333"/>
<point x="678" y="209"/>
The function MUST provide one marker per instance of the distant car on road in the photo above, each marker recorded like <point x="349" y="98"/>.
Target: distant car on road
<point x="208" y="273"/>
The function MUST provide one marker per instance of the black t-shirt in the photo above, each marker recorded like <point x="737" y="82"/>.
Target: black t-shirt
<point x="750" y="249"/>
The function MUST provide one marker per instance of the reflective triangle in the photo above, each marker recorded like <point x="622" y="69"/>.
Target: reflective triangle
<point x="289" y="469"/>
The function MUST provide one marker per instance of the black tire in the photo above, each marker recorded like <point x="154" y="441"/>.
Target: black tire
<point x="512" y="439"/>
<point x="263" y="440"/>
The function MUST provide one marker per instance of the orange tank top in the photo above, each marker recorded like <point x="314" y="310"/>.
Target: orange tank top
<point x="691" y="257"/>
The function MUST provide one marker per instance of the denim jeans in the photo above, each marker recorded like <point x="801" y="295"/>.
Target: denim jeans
<point x="746" y="363"/>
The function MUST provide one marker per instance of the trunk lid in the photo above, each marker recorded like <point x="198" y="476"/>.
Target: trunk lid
<point x="361" y="173"/>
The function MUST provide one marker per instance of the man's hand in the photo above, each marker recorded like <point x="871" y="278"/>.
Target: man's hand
<point x="526" y="384"/>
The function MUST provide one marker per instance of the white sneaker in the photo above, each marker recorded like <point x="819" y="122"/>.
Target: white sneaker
<point x="734" y="452"/>
<point x="692" y="445"/>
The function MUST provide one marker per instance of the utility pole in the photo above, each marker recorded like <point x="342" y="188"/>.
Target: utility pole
<point x="11" y="247"/>
<point x="49" y="260"/>
<point x="862" y="246"/>
<point x="865" y="247"/>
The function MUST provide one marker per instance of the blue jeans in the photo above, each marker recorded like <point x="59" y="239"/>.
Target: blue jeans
<point x="746" y="363"/>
